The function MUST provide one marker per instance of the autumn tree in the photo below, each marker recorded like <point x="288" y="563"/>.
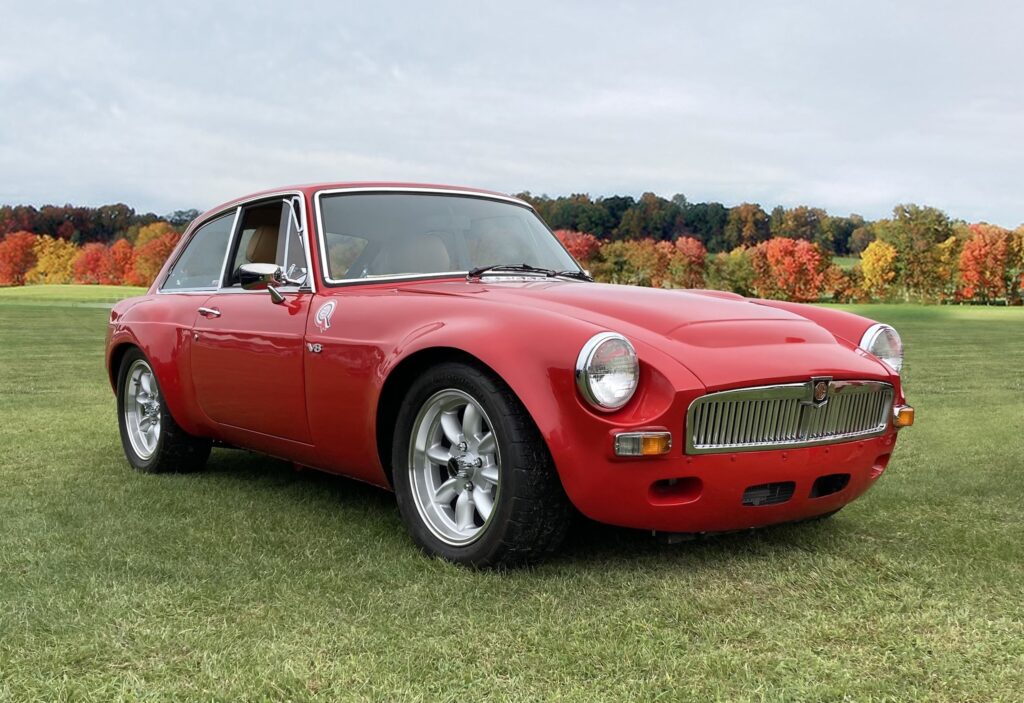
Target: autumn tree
<point x="17" y="257"/>
<point x="90" y="263"/>
<point x="150" y="257"/>
<point x="55" y="260"/>
<point x="118" y="262"/>
<point x="747" y="225"/>
<point x="922" y="265"/>
<point x="990" y="264"/>
<point x="878" y="266"/>
<point x="789" y="269"/>
<point x="687" y="262"/>
<point x="583" y="247"/>
<point x="731" y="271"/>
<point x="807" y="223"/>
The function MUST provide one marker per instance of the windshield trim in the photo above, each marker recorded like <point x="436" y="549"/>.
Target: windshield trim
<point x="322" y="242"/>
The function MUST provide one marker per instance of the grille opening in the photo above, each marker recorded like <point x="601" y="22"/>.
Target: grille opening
<point x="769" y="493"/>
<point x="827" y="485"/>
<point x="675" y="491"/>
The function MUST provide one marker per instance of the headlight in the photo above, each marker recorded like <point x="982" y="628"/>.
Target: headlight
<point x="884" y="342"/>
<point x="607" y="371"/>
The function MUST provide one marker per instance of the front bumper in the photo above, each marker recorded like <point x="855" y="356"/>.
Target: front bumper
<point x="723" y="492"/>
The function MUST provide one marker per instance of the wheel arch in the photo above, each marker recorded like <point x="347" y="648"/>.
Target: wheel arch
<point x="397" y="383"/>
<point x="115" y="357"/>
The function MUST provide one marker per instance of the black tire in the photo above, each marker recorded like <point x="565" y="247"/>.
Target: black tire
<point x="175" y="450"/>
<point x="531" y="512"/>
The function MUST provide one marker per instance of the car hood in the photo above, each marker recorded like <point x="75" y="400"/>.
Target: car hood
<point x="697" y="328"/>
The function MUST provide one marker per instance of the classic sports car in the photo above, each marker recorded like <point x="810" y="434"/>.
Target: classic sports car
<point x="441" y="342"/>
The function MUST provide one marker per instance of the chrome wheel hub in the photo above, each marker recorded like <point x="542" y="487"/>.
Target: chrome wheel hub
<point x="454" y="466"/>
<point x="142" y="409"/>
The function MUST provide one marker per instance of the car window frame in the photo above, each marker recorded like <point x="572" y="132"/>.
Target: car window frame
<point x="308" y="287"/>
<point x="190" y="235"/>
<point x="328" y="282"/>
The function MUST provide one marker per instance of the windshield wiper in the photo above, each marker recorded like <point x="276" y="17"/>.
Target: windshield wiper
<point x="527" y="268"/>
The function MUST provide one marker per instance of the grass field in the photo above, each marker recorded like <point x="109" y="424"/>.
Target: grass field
<point x="251" y="581"/>
<point x="846" y="263"/>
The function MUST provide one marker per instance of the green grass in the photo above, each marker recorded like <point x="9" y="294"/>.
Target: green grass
<point x="68" y="294"/>
<point x="846" y="263"/>
<point x="252" y="581"/>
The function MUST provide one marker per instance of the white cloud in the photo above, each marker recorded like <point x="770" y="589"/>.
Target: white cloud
<point x="853" y="106"/>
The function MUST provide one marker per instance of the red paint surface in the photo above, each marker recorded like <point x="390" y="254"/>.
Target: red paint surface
<point x="250" y="380"/>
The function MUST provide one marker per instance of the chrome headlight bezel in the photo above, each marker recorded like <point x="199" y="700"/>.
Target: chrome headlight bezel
<point x="586" y="379"/>
<point x="877" y="333"/>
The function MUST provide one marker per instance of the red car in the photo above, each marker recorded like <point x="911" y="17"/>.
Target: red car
<point x="440" y="342"/>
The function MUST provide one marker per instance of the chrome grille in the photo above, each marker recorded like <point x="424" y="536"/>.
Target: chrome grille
<point x="769" y="417"/>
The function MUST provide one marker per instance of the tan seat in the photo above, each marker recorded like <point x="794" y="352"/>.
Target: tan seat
<point x="262" y="247"/>
<point x="423" y="254"/>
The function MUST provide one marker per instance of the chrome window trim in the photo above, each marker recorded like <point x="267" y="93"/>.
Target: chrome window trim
<point x="779" y="392"/>
<point x="308" y="287"/>
<point x="190" y="233"/>
<point x="322" y="242"/>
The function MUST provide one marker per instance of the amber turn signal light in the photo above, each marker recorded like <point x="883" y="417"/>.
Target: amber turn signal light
<point x="902" y="416"/>
<point x="642" y="443"/>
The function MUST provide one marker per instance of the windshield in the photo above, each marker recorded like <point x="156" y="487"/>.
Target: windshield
<point x="392" y="234"/>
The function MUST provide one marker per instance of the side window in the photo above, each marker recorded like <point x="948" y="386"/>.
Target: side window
<point x="200" y="264"/>
<point x="270" y="234"/>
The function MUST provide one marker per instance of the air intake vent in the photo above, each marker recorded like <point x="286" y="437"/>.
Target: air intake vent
<point x="827" y="485"/>
<point x="769" y="493"/>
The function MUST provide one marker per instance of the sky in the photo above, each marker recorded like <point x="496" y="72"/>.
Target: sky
<point x="851" y="106"/>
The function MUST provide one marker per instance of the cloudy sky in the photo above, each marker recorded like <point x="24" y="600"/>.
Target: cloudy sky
<point x="853" y="106"/>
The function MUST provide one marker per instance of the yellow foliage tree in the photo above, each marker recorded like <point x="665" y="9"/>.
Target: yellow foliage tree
<point x="878" y="264"/>
<point x="153" y="231"/>
<point x="55" y="260"/>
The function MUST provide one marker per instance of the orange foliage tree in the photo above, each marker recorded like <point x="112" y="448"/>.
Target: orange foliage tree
<point x="119" y="260"/>
<point x="686" y="265"/>
<point x="150" y="256"/>
<point x="582" y="246"/>
<point x="990" y="264"/>
<point x="788" y="269"/>
<point x="55" y="261"/>
<point x="17" y="257"/>
<point x="90" y="263"/>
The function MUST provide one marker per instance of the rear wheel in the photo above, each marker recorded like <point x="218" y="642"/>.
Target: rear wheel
<point x="474" y="480"/>
<point x="151" y="438"/>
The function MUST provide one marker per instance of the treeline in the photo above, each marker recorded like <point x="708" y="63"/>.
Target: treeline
<point x="110" y="244"/>
<point x="918" y="255"/>
<point x="717" y="227"/>
<point x="81" y="225"/>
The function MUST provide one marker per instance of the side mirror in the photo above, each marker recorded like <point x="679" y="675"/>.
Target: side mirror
<point x="262" y="277"/>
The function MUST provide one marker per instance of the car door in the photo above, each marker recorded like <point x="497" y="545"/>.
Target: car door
<point x="247" y="351"/>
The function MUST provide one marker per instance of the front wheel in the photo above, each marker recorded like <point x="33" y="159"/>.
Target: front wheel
<point x="474" y="480"/>
<point x="152" y="440"/>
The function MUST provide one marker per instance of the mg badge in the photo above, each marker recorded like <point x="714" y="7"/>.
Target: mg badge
<point x="821" y="391"/>
<point x="323" y="316"/>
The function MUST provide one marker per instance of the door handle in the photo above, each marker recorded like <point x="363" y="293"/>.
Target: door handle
<point x="209" y="312"/>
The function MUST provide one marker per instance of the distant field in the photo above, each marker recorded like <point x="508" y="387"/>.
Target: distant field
<point x="846" y="262"/>
<point x="68" y="294"/>
<point x="253" y="582"/>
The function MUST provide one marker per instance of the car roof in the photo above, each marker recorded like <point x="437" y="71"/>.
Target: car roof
<point x="309" y="189"/>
